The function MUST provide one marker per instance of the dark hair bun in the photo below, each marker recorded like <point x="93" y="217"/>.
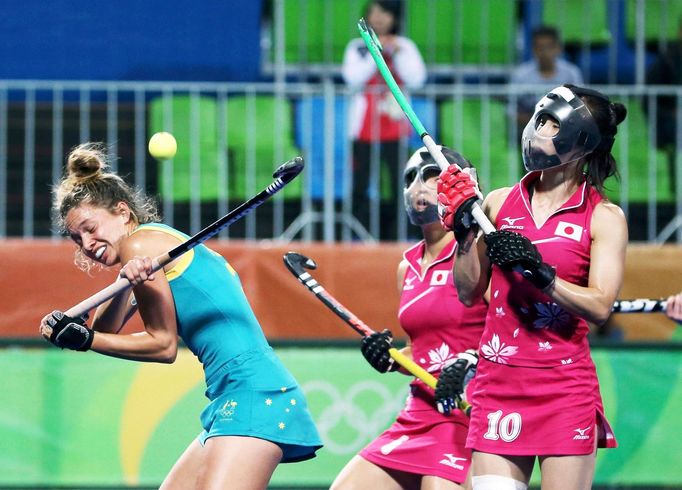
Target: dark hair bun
<point x="619" y="112"/>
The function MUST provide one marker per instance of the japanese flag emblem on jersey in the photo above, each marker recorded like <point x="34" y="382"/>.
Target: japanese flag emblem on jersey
<point x="439" y="278"/>
<point x="569" y="230"/>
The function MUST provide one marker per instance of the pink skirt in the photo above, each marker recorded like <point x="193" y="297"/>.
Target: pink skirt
<point x="524" y="411"/>
<point x="424" y="442"/>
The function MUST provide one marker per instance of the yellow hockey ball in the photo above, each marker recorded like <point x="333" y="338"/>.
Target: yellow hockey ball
<point x="162" y="145"/>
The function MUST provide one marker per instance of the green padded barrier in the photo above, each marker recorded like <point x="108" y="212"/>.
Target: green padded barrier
<point x="259" y="133"/>
<point x="317" y="31"/>
<point x="470" y="139"/>
<point x="578" y="20"/>
<point x="661" y="19"/>
<point x="635" y="129"/>
<point x="179" y="123"/>
<point x="459" y="31"/>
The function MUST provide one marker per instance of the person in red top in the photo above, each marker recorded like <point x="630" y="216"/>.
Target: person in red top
<point x="423" y="448"/>
<point x="376" y="122"/>
<point x="555" y="263"/>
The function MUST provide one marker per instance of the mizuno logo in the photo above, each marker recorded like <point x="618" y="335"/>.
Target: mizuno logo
<point x="408" y="283"/>
<point x="511" y="221"/>
<point x="581" y="434"/>
<point x="452" y="461"/>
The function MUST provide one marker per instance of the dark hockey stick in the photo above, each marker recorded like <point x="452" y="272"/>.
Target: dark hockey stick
<point x="284" y="174"/>
<point x="641" y="305"/>
<point x="298" y="263"/>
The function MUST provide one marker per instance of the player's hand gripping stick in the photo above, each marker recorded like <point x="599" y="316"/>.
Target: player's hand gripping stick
<point x="298" y="263"/>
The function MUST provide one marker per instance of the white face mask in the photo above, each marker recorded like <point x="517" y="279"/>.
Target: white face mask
<point x="420" y="192"/>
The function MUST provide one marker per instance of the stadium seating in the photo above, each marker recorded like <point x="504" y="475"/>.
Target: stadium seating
<point x="478" y="130"/>
<point x="317" y="31"/>
<point x="458" y="31"/>
<point x="259" y="139"/>
<point x="174" y="114"/>
<point x="661" y="19"/>
<point x="310" y="136"/>
<point x="635" y="131"/>
<point x="580" y="21"/>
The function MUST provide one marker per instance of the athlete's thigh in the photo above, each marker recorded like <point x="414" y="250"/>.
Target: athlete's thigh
<point x="567" y="472"/>
<point x="437" y="483"/>
<point x="516" y="467"/>
<point x="360" y="474"/>
<point x="237" y="463"/>
<point x="183" y="475"/>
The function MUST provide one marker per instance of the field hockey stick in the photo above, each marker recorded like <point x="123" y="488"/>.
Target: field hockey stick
<point x="641" y="305"/>
<point x="284" y="174"/>
<point x="374" y="47"/>
<point x="298" y="263"/>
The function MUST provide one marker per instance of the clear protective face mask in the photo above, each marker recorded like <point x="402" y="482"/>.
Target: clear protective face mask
<point x="420" y="193"/>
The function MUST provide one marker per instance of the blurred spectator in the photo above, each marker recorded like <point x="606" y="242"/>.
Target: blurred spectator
<point x="545" y="71"/>
<point x="376" y="120"/>
<point x="667" y="70"/>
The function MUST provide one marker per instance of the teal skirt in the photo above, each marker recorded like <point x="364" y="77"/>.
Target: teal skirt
<point x="254" y="395"/>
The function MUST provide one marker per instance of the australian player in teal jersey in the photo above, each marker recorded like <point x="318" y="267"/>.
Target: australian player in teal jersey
<point x="257" y="416"/>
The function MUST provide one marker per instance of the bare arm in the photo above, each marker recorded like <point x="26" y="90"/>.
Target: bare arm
<point x="607" y="263"/>
<point x="472" y="267"/>
<point x="158" y="343"/>
<point x="112" y="315"/>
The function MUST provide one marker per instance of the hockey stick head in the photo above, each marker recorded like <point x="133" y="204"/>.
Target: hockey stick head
<point x="289" y="170"/>
<point x="297" y="263"/>
<point x="366" y="30"/>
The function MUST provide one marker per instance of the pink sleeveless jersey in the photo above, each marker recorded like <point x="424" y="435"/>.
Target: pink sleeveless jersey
<point x="421" y="440"/>
<point x="520" y="409"/>
<point x="524" y="327"/>
<point x="430" y="312"/>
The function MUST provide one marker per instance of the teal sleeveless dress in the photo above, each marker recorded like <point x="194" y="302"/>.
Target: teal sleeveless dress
<point x="251" y="393"/>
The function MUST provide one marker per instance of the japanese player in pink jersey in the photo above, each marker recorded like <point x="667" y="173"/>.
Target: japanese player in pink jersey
<point x="424" y="448"/>
<point x="555" y="264"/>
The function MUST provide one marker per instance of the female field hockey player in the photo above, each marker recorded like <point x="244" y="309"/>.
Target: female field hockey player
<point x="257" y="416"/>
<point x="555" y="264"/>
<point x="423" y="448"/>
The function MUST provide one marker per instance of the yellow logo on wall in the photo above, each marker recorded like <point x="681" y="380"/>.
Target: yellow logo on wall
<point x="154" y="390"/>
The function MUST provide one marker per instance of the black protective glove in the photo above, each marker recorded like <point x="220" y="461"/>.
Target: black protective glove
<point x="453" y="380"/>
<point x="465" y="226"/>
<point x="69" y="333"/>
<point x="513" y="251"/>
<point x="375" y="349"/>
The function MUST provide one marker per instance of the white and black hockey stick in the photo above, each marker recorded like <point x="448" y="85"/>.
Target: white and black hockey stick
<point x="284" y="174"/>
<point x="298" y="263"/>
<point x="641" y="305"/>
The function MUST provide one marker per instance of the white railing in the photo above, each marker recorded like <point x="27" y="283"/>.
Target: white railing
<point x="228" y="145"/>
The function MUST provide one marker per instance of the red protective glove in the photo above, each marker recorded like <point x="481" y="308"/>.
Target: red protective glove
<point x="455" y="188"/>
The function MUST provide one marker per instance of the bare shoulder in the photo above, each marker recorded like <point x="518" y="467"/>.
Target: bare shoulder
<point x="148" y="242"/>
<point x="493" y="201"/>
<point x="608" y="218"/>
<point x="402" y="269"/>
